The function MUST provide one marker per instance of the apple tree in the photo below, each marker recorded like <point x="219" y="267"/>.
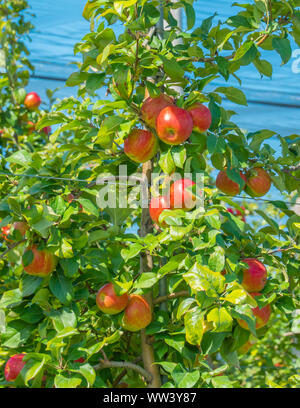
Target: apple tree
<point x="167" y="293"/>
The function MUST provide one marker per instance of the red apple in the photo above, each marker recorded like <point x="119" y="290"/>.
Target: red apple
<point x="152" y="106"/>
<point x="80" y="360"/>
<point x="255" y="276"/>
<point x="262" y="315"/>
<point x="201" y="117"/>
<point x="13" y="367"/>
<point x="156" y="207"/>
<point x="137" y="314"/>
<point x="140" y="145"/>
<point x="43" y="263"/>
<point x="226" y="185"/>
<point x="174" y="125"/>
<point x="238" y="213"/>
<point x="32" y="101"/>
<point x="47" y="130"/>
<point x="258" y="182"/>
<point x="180" y="197"/>
<point x="109" y="302"/>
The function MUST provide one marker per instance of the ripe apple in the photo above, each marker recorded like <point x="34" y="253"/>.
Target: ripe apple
<point x="226" y="185"/>
<point x="137" y="314"/>
<point x="47" y="130"/>
<point x="109" y="302"/>
<point x="140" y="145"/>
<point x="13" y="367"/>
<point x="258" y="182"/>
<point x="152" y="106"/>
<point x="43" y="263"/>
<point x="262" y="315"/>
<point x="201" y="117"/>
<point x="180" y="197"/>
<point x="80" y="360"/>
<point x="238" y="213"/>
<point x="32" y="101"/>
<point x="174" y="125"/>
<point x="255" y="276"/>
<point x="156" y="207"/>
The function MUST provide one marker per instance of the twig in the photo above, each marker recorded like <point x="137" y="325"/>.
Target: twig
<point x="174" y="295"/>
<point x="126" y="364"/>
<point x="123" y="373"/>
<point x="12" y="247"/>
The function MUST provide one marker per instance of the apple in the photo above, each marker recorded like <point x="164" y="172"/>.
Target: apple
<point x="258" y="182"/>
<point x="247" y="346"/>
<point x="109" y="302"/>
<point x="152" y="106"/>
<point x="255" y="276"/>
<point x="47" y="130"/>
<point x="262" y="315"/>
<point x="43" y="263"/>
<point x="201" y="117"/>
<point x="174" y="125"/>
<point x="13" y="366"/>
<point x="30" y="127"/>
<point x="180" y="197"/>
<point x="140" y="145"/>
<point x="80" y="360"/>
<point x="156" y="207"/>
<point x="32" y="101"/>
<point x="238" y="213"/>
<point x="226" y="185"/>
<point x="137" y="314"/>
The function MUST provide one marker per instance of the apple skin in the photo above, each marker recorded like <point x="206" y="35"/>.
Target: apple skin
<point x="255" y="276"/>
<point x="109" y="302"/>
<point x="201" y="117"/>
<point x="47" y="130"/>
<point x="262" y="315"/>
<point x="30" y="127"/>
<point x="137" y="314"/>
<point x="32" y="101"/>
<point x="226" y="185"/>
<point x="140" y="145"/>
<point x="13" y="366"/>
<point x="180" y="197"/>
<point x="156" y="207"/>
<point x="152" y="106"/>
<point x="43" y="263"/>
<point x="174" y="125"/>
<point x="258" y="182"/>
<point x="238" y="213"/>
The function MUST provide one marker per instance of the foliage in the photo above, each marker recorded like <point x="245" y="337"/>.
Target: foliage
<point x="55" y="320"/>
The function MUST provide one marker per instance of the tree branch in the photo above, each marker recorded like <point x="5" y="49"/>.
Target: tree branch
<point x="126" y="364"/>
<point x="12" y="247"/>
<point x="174" y="295"/>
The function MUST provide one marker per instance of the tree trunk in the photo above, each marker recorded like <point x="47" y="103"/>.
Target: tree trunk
<point x="146" y="264"/>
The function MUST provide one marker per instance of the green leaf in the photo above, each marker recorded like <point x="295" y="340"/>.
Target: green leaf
<point x="187" y="380"/>
<point x="88" y="372"/>
<point x="216" y="260"/>
<point x="131" y="252"/>
<point x="76" y="78"/>
<point x="179" y="156"/>
<point x="200" y="278"/>
<point x="61" y="381"/>
<point x="21" y="157"/>
<point x="32" y="368"/>
<point x="89" y="207"/>
<point x="193" y="322"/>
<point x="11" y="298"/>
<point x="61" y="288"/>
<point x="212" y="341"/>
<point x="221" y="382"/>
<point x="283" y="47"/>
<point x="259" y="137"/>
<point x="221" y="319"/>
<point x="166" y="162"/>
<point x="172" y="68"/>
<point x="184" y="306"/>
<point x="29" y="284"/>
<point x="233" y="94"/>
<point x="146" y="280"/>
